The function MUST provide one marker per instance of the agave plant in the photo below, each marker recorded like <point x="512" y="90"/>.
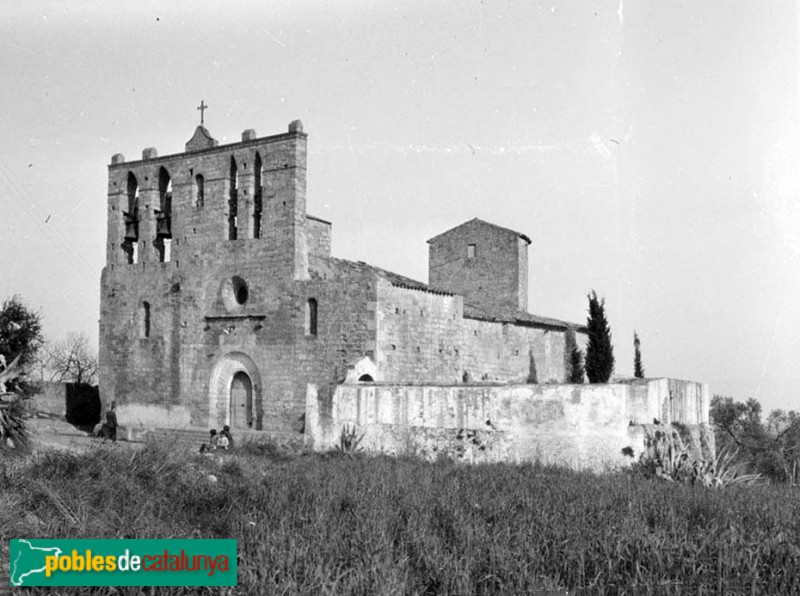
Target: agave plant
<point x="724" y="472"/>
<point x="13" y="432"/>
<point x="8" y="372"/>
<point x="349" y="440"/>
<point x="667" y="458"/>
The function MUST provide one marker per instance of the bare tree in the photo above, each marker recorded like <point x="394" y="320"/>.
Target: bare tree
<point x="72" y="360"/>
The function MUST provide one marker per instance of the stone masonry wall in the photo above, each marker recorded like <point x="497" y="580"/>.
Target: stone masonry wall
<point x="173" y="334"/>
<point x="495" y="276"/>
<point x="583" y="426"/>
<point x="318" y="237"/>
<point x="195" y="320"/>
<point x="423" y="337"/>
<point x="419" y="336"/>
<point x="514" y="353"/>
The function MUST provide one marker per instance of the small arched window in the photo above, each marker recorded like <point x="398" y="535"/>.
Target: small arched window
<point x="311" y="317"/>
<point x="365" y="379"/>
<point x="199" y="190"/>
<point x="145" y="320"/>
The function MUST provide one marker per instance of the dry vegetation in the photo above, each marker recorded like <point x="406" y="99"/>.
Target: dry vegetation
<point x="328" y="524"/>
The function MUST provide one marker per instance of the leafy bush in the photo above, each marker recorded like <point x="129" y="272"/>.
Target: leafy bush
<point x="20" y="338"/>
<point x="768" y="447"/>
<point x="576" y="365"/>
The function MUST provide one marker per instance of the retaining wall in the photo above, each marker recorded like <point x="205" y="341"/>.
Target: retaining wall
<point x="583" y="426"/>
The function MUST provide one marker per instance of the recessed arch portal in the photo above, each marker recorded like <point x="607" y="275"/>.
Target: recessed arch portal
<point x="235" y="374"/>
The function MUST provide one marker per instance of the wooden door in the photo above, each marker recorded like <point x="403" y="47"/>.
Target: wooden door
<point x="241" y="401"/>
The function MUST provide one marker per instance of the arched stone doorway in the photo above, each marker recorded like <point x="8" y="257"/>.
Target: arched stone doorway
<point x="235" y="393"/>
<point x="241" y="401"/>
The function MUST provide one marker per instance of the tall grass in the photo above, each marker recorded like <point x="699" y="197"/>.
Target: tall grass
<point x="319" y="524"/>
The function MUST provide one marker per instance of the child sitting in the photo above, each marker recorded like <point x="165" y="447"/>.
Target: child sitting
<point x="222" y="442"/>
<point x="226" y="432"/>
<point x="213" y="442"/>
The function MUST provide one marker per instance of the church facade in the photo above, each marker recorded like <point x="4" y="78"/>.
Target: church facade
<point x="221" y="301"/>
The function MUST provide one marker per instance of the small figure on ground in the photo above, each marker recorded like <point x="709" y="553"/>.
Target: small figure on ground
<point x="226" y="432"/>
<point x="111" y="423"/>
<point x="223" y="442"/>
<point x="212" y="442"/>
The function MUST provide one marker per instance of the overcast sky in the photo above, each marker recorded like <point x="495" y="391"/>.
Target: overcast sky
<point x="649" y="149"/>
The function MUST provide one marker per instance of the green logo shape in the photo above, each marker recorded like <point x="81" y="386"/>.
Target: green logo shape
<point x="122" y="562"/>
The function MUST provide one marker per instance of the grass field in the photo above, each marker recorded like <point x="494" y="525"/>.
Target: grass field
<point x="330" y="524"/>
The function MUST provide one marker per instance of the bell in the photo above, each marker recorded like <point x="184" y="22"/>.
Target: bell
<point x="131" y="228"/>
<point x="163" y="227"/>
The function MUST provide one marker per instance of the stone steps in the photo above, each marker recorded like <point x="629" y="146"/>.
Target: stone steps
<point x="191" y="438"/>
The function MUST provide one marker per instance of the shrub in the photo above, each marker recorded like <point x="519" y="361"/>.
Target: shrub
<point x="576" y="365"/>
<point x="638" y="368"/>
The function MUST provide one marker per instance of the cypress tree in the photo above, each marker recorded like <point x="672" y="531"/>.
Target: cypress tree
<point x="576" y="365"/>
<point x="638" y="369"/>
<point x="599" y="351"/>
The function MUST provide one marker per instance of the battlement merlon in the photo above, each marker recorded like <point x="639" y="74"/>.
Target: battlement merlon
<point x="252" y="189"/>
<point x="248" y="140"/>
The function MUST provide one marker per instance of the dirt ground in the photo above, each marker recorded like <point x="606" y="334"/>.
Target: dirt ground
<point x="56" y="433"/>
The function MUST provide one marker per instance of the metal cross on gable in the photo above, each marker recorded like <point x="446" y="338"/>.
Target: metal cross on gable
<point x="202" y="107"/>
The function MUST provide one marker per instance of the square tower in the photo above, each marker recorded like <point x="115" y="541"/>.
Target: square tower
<point x="485" y="263"/>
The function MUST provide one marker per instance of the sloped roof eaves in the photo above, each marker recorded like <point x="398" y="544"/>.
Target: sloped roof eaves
<point x="395" y="279"/>
<point x="470" y="311"/>
<point x="319" y="219"/>
<point x="485" y="223"/>
<point x="518" y="318"/>
<point x="422" y="289"/>
<point x="399" y="280"/>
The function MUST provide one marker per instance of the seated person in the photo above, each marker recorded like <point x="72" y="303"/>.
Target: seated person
<point x="222" y="442"/>
<point x="213" y="442"/>
<point x="226" y="432"/>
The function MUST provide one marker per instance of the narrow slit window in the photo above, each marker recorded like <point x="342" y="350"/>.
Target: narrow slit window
<point x="233" y="202"/>
<point x="145" y="320"/>
<point x="199" y="190"/>
<point x="257" y="198"/>
<point x="311" y="317"/>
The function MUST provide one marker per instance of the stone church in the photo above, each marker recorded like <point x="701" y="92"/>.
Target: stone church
<point x="221" y="301"/>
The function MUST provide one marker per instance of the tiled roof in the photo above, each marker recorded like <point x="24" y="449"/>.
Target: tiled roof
<point x="484" y="223"/>
<point x="362" y="267"/>
<point x="517" y="317"/>
<point x="471" y="311"/>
